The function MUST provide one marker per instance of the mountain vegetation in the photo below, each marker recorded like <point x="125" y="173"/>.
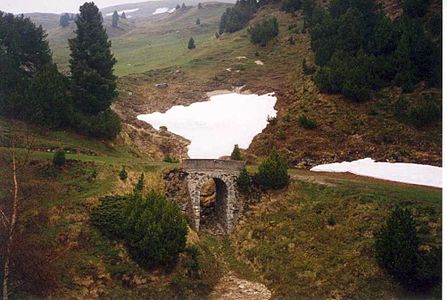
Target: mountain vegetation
<point x="93" y="220"/>
<point x="33" y="89"/>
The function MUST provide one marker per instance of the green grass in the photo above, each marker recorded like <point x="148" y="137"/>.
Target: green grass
<point x="289" y="242"/>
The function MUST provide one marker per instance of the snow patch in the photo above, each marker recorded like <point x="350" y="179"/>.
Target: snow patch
<point x="215" y="126"/>
<point x="161" y="10"/>
<point x="241" y="57"/>
<point x="124" y="11"/>
<point x="258" y="62"/>
<point x="400" y="172"/>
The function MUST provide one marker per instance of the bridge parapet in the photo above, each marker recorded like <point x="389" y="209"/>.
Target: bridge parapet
<point x="213" y="165"/>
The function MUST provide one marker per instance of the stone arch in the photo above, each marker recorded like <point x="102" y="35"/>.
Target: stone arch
<point x="225" y="191"/>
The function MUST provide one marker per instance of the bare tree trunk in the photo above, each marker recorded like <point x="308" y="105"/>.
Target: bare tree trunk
<point x="12" y="223"/>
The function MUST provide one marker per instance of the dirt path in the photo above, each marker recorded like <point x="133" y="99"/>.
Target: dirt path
<point x="234" y="288"/>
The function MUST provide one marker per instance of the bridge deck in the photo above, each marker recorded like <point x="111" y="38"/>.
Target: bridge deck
<point x="212" y="165"/>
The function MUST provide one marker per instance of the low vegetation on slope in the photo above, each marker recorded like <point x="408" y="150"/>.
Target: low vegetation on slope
<point x="317" y="241"/>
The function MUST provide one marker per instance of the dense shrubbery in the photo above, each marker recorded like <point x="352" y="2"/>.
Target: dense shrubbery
<point x="290" y="5"/>
<point x="263" y="32"/>
<point x="359" y="50"/>
<point x="272" y="172"/>
<point x="155" y="230"/>
<point x="109" y="217"/>
<point x="152" y="228"/>
<point x="418" y="113"/>
<point x="235" y="18"/>
<point x="106" y="124"/>
<point x="397" y="251"/>
<point x="307" y="123"/>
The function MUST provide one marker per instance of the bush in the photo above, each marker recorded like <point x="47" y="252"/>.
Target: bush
<point x="397" y="251"/>
<point x="425" y="114"/>
<point x="155" y="230"/>
<point x="418" y="114"/>
<point x="59" y="158"/>
<point x="236" y="154"/>
<point x="152" y="228"/>
<point x="290" y="5"/>
<point x="191" y="44"/>
<point x="123" y="174"/>
<point x="263" y="32"/>
<point x="307" y="123"/>
<point x="140" y="184"/>
<point x="108" y="216"/>
<point x="243" y="181"/>
<point x="272" y="172"/>
<point x="106" y="124"/>
<point x="170" y="160"/>
<point x="272" y="120"/>
<point x="331" y="220"/>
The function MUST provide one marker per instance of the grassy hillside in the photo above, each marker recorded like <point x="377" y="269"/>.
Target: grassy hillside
<point x="150" y="42"/>
<point x="313" y="239"/>
<point x="285" y="241"/>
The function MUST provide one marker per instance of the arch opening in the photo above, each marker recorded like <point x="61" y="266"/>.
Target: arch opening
<point x="213" y="205"/>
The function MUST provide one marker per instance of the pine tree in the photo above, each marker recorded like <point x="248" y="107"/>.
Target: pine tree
<point x="199" y="6"/>
<point x="243" y="181"/>
<point x="59" y="158"/>
<point x="49" y="103"/>
<point x="397" y="246"/>
<point x="20" y="60"/>
<point x="236" y="154"/>
<point x="183" y="5"/>
<point x="198" y="21"/>
<point x="64" y="20"/>
<point x="191" y="44"/>
<point x="272" y="173"/>
<point x="123" y="15"/>
<point x="123" y="174"/>
<point x="177" y="7"/>
<point x="115" y="19"/>
<point x="91" y="64"/>
<point x="140" y="184"/>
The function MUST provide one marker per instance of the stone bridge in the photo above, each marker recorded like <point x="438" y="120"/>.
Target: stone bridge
<point x="224" y="173"/>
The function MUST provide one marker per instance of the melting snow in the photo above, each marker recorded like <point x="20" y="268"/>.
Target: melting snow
<point x="400" y="172"/>
<point x="258" y="62"/>
<point x="124" y="11"/>
<point x="215" y="126"/>
<point x="161" y="10"/>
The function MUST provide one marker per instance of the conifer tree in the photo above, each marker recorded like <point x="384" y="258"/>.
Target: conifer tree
<point x="243" y="181"/>
<point x="123" y="15"/>
<point x="20" y="60"/>
<point x="91" y="64"/>
<point x="183" y="5"/>
<point x="198" y="21"/>
<point x="236" y="154"/>
<point x="177" y="7"/>
<point x="115" y="19"/>
<point x="199" y="6"/>
<point x="191" y="44"/>
<point x="272" y="173"/>
<point x="64" y="20"/>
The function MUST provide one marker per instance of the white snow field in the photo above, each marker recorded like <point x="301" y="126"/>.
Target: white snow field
<point x="161" y="10"/>
<point x="215" y="126"/>
<point x="127" y="11"/>
<point x="400" y="172"/>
